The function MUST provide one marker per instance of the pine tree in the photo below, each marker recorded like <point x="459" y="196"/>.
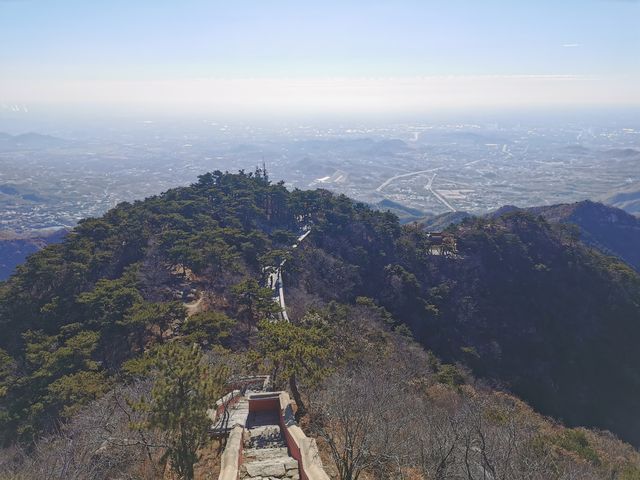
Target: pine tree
<point x="255" y="303"/>
<point x="296" y="352"/>
<point x="184" y="388"/>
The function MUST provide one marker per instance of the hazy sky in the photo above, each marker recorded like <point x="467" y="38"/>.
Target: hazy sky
<point x="346" y="55"/>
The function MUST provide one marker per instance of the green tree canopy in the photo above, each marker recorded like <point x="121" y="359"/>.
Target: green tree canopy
<point x="184" y="388"/>
<point x="208" y="328"/>
<point x="296" y="352"/>
<point x="255" y="303"/>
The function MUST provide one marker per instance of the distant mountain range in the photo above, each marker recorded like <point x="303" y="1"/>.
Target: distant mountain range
<point x="30" y="141"/>
<point x="404" y="213"/>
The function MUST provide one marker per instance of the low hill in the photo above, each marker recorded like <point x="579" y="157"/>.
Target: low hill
<point x="14" y="249"/>
<point x="440" y="222"/>
<point x="627" y="198"/>
<point x="404" y="213"/>
<point x="29" y="141"/>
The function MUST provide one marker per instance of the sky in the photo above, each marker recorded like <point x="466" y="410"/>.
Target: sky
<point x="325" y="56"/>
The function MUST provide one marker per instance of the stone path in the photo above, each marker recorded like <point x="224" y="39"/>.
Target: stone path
<point x="265" y="455"/>
<point x="274" y="279"/>
<point x="237" y="414"/>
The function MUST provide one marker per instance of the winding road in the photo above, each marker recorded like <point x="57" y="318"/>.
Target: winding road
<point x="404" y="175"/>
<point x="439" y="197"/>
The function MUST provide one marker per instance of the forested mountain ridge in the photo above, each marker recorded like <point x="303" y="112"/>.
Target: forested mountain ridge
<point x="76" y="310"/>
<point x="523" y="302"/>
<point x="531" y="306"/>
<point x="519" y="300"/>
<point x="609" y="229"/>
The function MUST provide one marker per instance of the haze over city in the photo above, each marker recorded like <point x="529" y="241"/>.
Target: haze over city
<point x="439" y="106"/>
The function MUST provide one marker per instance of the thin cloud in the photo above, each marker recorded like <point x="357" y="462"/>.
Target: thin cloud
<point x="571" y="45"/>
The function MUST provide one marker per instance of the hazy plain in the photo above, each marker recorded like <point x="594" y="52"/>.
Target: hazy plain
<point x="73" y="170"/>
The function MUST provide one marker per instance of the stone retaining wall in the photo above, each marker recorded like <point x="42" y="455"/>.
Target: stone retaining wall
<point x="302" y="448"/>
<point x="232" y="455"/>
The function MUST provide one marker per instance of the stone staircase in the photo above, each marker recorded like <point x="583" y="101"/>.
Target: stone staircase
<point x="265" y="454"/>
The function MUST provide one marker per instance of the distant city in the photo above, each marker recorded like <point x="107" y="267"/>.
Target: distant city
<point x="51" y="182"/>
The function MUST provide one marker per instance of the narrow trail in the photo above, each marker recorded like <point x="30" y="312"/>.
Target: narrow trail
<point x="265" y="453"/>
<point x="274" y="278"/>
<point x="265" y="443"/>
<point x="263" y="440"/>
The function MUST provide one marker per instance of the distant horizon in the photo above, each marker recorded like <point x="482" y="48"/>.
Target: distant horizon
<point x="97" y="120"/>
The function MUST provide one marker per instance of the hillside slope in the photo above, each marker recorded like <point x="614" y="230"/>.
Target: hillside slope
<point x="518" y="299"/>
<point x="522" y="302"/>
<point x="611" y="230"/>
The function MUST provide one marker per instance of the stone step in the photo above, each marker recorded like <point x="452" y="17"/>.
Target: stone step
<point x="263" y="453"/>
<point x="279" y="467"/>
<point x="266" y="436"/>
<point x="293" y="476"/>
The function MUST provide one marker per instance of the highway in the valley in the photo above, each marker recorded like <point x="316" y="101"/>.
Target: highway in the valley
<point x="404" y="175"/>
<point x="442" y="200"/>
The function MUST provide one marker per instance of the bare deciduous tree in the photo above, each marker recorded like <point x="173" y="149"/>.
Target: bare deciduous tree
<point x="389" y="418"/>
<point x="97" y="443"/>
<point x="358" y="415"/>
